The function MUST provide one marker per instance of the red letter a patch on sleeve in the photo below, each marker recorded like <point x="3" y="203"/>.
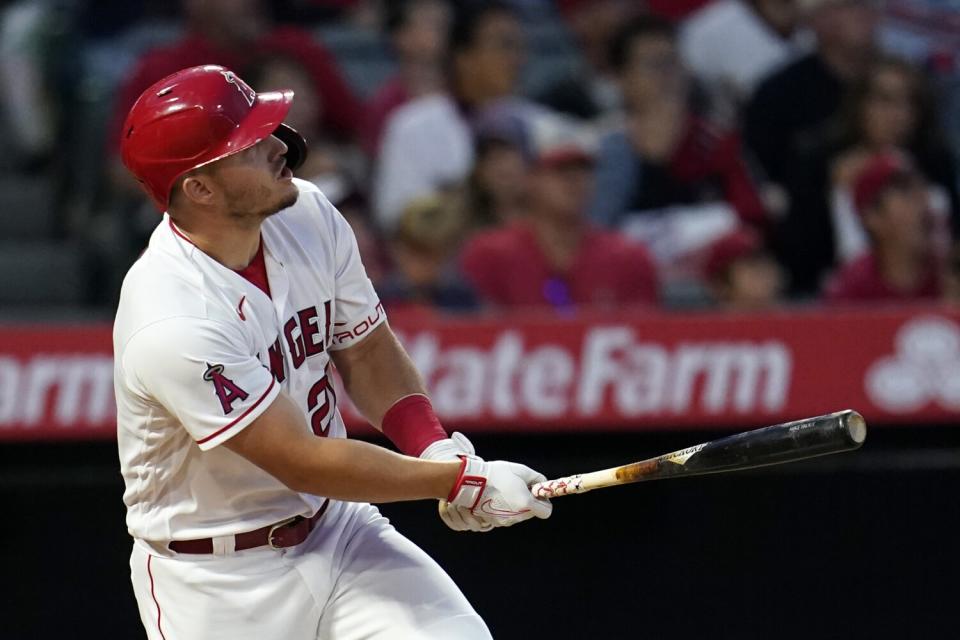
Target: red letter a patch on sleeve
<point x="227" y="390"/>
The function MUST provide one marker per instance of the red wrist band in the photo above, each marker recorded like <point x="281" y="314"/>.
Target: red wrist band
<point x="411" y="424"/>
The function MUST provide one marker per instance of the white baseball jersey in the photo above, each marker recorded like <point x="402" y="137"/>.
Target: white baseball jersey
<point x="201" y="352"/>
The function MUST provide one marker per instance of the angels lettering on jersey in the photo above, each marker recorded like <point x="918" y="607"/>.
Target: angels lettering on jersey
<point x="304" y="335"/>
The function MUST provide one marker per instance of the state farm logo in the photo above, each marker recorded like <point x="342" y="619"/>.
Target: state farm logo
<point x="611" y="372"/>
<point x="925" y="368"/>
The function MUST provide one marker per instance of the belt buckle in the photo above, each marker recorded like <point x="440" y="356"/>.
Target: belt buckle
<point x="274" y="528"/>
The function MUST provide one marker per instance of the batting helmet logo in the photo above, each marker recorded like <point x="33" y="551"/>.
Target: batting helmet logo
<point x="248" y="94"/>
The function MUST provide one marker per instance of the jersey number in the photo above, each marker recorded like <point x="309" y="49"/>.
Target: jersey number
<point x="320" y="412"/>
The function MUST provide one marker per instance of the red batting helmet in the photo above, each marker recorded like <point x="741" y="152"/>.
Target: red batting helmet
<point x="196" y="116"/>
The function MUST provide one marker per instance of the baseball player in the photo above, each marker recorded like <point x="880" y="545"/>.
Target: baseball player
<point x="247" y="504"/>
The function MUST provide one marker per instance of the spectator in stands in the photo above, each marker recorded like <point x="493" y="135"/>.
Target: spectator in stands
<point x="591" y="90"/>
<point x="427" y="237"/>
<point x="28" y="105"/>
<point x="554" y="257"/>
<point x="418" y="32"/>
<point x="427" y="143"/>
<point x="888" y="107"/>
<point x="730" y="45"/>
<point x="927" y="32"/>
<point x="665" y="155"/>
<point x="791" y="107"/>
<point x="741" y="274"/>
<point x="233" y="33"/>
<point x="901" y="265"/>
<point x="495" y="191"/>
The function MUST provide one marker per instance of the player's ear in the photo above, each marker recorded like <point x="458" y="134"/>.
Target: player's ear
<point x="197" y="189"/>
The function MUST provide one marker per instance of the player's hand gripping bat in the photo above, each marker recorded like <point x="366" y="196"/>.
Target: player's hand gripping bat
<point x="831" y="433"/>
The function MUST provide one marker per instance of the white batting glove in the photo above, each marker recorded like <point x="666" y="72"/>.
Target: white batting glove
<point x="449" y="449"/>
<point x="457" y="518"/>
<point x="499" y="492"/>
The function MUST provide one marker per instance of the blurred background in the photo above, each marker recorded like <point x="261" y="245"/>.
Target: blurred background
<point x="605" y="229"/>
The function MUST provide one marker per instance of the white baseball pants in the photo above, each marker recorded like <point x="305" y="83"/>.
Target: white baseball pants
<point x="354" y="577"/>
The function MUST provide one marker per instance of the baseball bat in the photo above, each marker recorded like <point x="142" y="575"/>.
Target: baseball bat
<point x="777" y="444"/>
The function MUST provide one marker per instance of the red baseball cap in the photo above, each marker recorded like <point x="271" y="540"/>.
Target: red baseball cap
<point x="729" y="248"/>
<point x="197" y="116"/>
<point x="880" y="172"/>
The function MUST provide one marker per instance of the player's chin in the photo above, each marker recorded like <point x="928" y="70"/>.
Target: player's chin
<point x="289" y="198"/>
<point x="283" y="199"/>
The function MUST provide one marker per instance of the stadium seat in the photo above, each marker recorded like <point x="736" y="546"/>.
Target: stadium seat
<point x="364" y="57"/>
<point x="551" y="54"/>
<point x="26" y="207"/>
<point x="42" y="273"/>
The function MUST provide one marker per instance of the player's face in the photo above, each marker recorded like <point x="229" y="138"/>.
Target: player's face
<point x="256" y="183"/>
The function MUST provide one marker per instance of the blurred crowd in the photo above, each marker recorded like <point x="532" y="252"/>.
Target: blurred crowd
<point x="564" y="154"/>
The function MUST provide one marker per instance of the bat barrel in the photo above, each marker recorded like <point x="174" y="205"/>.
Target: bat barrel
<point x="831" y="433"/>
<point x="788" y="442"/>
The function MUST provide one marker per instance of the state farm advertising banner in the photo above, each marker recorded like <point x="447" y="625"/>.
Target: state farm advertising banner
<point x="540" y="373"/>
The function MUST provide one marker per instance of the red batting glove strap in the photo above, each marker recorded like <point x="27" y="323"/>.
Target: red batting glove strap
<point x="468" y="488"/>
<point x="456" y="485"/>
<point x="411" y="424"/>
